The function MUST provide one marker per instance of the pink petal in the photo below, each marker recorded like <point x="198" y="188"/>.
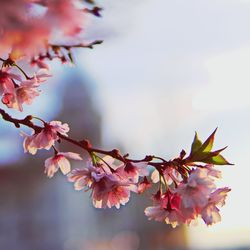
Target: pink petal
<point x="71" y="155"/>
<point x="64" y="165"/>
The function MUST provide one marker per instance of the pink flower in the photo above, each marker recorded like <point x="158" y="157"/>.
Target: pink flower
<point x="133" y="171"/>
<point x="28" y="143"/>
<point x="6" y="83"/>
<point x="60" y="160"/>
<point x="213" y="172"/>
<point x="40" y="64"/>
<point x="210" y="214"/>
<point x="84" y="177"/>
<point x="109" y="191"/>
<point x="108" y="188"/>
<point x="27" y="28"/>
<point x="196" y="191"/>
<point x="59" y="12"/>
<point x="25" y="93"/>
<point x="166" y="208"/>
<point x="170" y="175"/>
<point x="46" y="138"/>
<point x="41" y="76"/>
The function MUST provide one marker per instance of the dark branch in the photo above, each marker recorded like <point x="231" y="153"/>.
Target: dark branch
<point x="84" y="144"/>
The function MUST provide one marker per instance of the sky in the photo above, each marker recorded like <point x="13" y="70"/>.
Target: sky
<point x="169" y="68"/>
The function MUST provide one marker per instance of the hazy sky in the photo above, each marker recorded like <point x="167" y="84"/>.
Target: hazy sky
<point x="168" y="68"/>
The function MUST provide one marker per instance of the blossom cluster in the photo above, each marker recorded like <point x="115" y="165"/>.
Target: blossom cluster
<point x="16" y="91"/>
<point x="29" y="35"/>
<point x="28" y="25"/>
<point x="111" y="185"/>
<point x="187" y="200"/>
<point x="186" y="190"/>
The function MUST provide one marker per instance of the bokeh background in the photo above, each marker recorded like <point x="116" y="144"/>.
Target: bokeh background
<point x="166" y="69"/>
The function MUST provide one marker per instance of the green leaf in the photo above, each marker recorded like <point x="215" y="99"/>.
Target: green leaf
<point x="218" y="151"/>
<point x="201" y="152"/>
<point x="217" y="160"/>
<point x="208" y="144"/>
<point x="196" y="144"/>
<point x="203" y="156"/>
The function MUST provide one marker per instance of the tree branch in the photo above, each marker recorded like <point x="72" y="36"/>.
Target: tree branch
<point x="85" y="145"/>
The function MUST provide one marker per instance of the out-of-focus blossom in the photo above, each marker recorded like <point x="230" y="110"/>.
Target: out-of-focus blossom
<point x="60" y="161"/>
<point x="6" y="81"/>
<point x="25" y="93"/>
<point x="27" y="27"/>
<point x="46" y="138"/>
<point x="41" y="76"/>
<point x="60" y="12"/>
<point x="16" y="92"/>
<point x="40" y="64"/>
<point x="21" y="33"/>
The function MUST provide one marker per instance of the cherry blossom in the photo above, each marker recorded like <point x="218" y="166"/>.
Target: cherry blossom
<point x="59" y="12"/>
<point x="133" y="171"/>
<point x="210" y="213"/>
<point x="187" y="190"/>
<point x="27" y="28"/>
<point x="108" y="188"/>
<point x="46" y="138"/>
<point x="166" y="208"/>
<point x="41" y="76"/>
<point x="25" y="93"/>
<point x="6" y="81"/>
<point x="170" y="174"/>
<point x="110" y="191"/>
<point x="60" y="161"/>
<point x="84" y="177"/>
<point x="196" y="191"/>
